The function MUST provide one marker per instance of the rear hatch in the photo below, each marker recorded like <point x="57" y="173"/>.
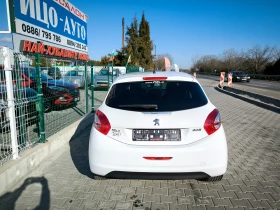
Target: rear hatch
<point x="157" y="112"/>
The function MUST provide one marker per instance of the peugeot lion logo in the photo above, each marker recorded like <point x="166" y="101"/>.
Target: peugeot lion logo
<point x="156" y="121"/>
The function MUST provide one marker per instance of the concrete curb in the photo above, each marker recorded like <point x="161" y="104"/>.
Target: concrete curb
<point x="269" y="104"/>
<point x="14" y="171"/>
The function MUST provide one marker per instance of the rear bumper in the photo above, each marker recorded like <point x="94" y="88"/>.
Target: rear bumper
<point x="101" y="85"/>
<point x="242" y="80"/>
<point x="207" y="157"/>
<point x="156" y="176"/>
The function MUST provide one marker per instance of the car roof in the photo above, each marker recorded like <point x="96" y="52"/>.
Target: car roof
<point x="171" y="75"/>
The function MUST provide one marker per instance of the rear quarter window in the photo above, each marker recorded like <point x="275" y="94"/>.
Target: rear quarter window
<point x="167" y="95"/>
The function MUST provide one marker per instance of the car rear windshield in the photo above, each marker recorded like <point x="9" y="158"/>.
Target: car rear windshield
<point x="156" y="96"/>
<point x="54" y="70"/>
<point x="240" y="73"/>
<point x="105" y="72"/>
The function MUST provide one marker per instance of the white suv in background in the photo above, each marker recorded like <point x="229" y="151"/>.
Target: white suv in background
<point x="157" y="126"/>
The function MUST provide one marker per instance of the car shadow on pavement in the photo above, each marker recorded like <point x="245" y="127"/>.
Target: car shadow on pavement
<point x="19" y="197"/>
<point x="256" y="101"/>
<point x="79" y="145"/>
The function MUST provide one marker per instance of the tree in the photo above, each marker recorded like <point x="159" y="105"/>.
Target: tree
<point x="132" y="40"/>
<point x="145" y="44"/>
<point x="139" y="44"/>
<point x="95" y="62"/>
<point x="104" y="60"/>
<point x="120" y="58"/>
<point x="257" y="58"/>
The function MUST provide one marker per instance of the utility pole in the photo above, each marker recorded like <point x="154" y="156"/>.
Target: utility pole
<point x="122" y="32"/>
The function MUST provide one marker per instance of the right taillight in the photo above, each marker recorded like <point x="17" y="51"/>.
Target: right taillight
<point x="212" y="122"/>
<point x="101" y="122"/>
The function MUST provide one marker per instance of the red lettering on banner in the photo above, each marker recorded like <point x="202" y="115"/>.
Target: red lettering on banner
<point x="61" y="2"/>
<point x="83" y="56"/>
<point x="76" y="55"/>
<point x="69" y="54"/>
<point x="57" y="52"/>
<point x="71" y="8"/>
<point x="67" y="6"/>
<point x="27" y="46"/>
<point x="34" y="48"/>
<point x="80" y="56"/>
<point x="65" y="53"/>
<point x="51" y="50"/>
<point x="41" y="48"/>
<point x="62" y="52"/>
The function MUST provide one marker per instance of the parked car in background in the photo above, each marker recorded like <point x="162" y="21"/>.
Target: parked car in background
<point x="26" y="98"/>
<point x="77" y="77"/>
<point x="157" y="126"/>
<point x="101" y="78"/>
<point x="57" y="93"/>
<point x="54" y="72"/>
<point x="238" y="76"/>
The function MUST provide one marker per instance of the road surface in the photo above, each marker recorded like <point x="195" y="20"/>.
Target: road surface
<point x="262" y="87"/>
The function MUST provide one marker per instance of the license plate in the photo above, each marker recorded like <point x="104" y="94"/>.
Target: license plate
<point x="103" y="84"/>
<point x="156" y="135"/>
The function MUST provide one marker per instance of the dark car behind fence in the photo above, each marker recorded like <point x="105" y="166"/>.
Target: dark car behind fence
<point x="56" y="103"/>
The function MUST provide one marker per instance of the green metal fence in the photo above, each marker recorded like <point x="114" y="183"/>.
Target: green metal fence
<point x="46" y="100"/>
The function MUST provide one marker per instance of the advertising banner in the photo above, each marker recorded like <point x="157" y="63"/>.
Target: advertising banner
<point x="31" y="45"/>
<point x="54" y="21"/>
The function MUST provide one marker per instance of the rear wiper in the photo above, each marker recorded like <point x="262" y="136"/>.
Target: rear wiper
<point x="140" y="106"/>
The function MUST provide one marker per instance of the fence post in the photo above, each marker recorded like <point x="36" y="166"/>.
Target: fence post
<point x="86" y="87"/>
<point x="21" y="115"/>
<point x="11" y="102"/>
<point x="108" y="76"/>
<point x="92" y="86"/>
<point x="112" y="79"/>
<point x="41" y="99"/>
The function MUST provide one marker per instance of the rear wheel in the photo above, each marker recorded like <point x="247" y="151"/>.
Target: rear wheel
<point x="97" y="177"/>
<point x="212" y="179"/>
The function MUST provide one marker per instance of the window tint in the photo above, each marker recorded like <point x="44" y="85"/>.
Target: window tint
<point x="105" y="72"/>
<point x="167" y="95"/>
<point x="71" y="73"/>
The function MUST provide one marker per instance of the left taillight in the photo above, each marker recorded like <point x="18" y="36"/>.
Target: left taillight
<point x="101" y="122"/>
<point x="212" y="122"/>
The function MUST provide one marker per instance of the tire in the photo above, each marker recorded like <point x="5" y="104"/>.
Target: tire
<point x="248" y="80"/>
<point x="212" y="179"/>
<point x="97" y="177"/>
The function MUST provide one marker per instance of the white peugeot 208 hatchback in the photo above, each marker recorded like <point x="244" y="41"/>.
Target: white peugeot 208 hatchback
<point x="157" y="126"/>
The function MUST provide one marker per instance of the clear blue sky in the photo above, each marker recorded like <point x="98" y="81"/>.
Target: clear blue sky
<point x="184" y="28"/>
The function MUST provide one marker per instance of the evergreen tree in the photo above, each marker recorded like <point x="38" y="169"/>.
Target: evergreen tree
<point x="120" y="58"/>
<point x="145" y="44"/>
<point x="132" y="40"/>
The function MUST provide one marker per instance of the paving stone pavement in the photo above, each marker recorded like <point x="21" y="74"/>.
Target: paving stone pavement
<point x="252" y="180"/>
